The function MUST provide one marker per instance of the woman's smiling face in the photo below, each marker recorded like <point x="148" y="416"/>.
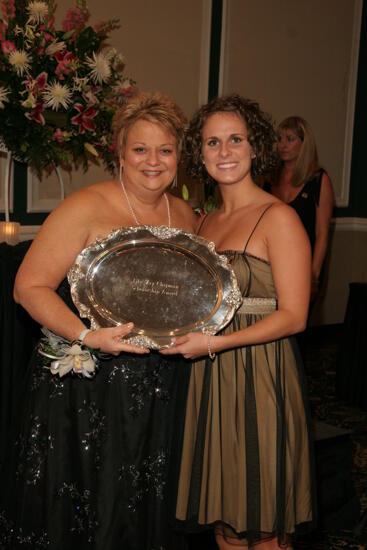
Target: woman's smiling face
<point x="150" y="157"/>
<point x="226" y="152"/>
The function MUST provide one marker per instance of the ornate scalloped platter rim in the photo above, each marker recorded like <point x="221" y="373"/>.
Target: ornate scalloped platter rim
<point x="167" y="281"/>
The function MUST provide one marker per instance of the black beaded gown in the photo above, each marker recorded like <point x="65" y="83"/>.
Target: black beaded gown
<point x="90" y="467"/>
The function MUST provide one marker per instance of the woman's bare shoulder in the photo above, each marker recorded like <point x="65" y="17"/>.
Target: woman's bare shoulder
<point x="88" y="197"/>
<point x="282" y="222"/>
<point x="95" y="191"/>
<point x="78" y="210"/>
<point x="279" y="211"/>
<point x="183" y="210"/>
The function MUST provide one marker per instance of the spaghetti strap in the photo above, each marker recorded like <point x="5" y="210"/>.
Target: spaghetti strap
<point x="202" y="221"/>
<point x="256" y="224"/>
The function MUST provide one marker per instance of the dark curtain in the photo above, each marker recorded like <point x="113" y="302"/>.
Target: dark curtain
<point x="18" y="333"/>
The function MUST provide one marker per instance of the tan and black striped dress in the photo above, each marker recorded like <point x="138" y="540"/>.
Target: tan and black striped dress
<point x="246" y="465"/>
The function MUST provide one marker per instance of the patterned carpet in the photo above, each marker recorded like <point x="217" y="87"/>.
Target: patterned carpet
<point x="320" y="350"/>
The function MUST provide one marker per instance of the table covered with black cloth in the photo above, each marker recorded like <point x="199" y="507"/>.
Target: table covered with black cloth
<point x="18" y="333"/>
<point x="352" y="360"/>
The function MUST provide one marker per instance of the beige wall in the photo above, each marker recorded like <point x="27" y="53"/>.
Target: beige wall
<point x="346" y="264"/>
<point x="298" y="58"/>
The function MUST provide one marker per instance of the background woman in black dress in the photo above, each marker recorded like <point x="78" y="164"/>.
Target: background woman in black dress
<point x="304" y="185"/>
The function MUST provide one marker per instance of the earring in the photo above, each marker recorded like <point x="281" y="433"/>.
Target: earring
<point x="120" y="171"/>
<point x="174" y="182"/>
<point x="203" y="161"/>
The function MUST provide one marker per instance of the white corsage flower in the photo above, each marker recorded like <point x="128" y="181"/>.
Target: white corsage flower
<point x="66" y="357"/>
<point x="75" y="359"/>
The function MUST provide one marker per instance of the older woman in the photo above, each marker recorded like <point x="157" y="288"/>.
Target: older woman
<point x="246" y="461"/>
<point x="304" y="185"/>
<point x="93" y="455"/>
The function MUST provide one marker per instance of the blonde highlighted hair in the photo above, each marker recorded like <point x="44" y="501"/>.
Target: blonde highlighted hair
<point x="151" y="106"/>
<point x="307" y="162"/>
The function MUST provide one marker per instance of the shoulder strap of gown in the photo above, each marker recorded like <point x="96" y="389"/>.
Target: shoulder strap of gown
<point x="257" y="223"/>
<point x="202" y="221"/>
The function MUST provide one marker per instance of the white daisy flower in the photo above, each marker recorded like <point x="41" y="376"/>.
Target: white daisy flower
<point x="55" y="47"/>
<point x="57" y="95"/>
<point x="100" y="68"/>
<point x="3" y="96"/>
<point x="37" y="11"/>
<point x="20" y="60"/>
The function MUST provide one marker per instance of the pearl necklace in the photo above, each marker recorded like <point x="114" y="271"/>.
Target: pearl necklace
<point x="132" y="212"/>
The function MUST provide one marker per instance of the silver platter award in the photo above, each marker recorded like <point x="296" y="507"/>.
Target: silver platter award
<point x="166" y="281"/>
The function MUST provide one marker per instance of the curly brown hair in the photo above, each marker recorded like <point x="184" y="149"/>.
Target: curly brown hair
<point x="154" y="107"/>
<point x="261" y="135"/>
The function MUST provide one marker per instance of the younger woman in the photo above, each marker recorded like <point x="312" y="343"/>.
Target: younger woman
<point x="246" y="466"/>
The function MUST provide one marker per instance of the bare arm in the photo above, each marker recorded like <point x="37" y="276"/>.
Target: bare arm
<point x="63" y="235"/>
<point x="323" y="216"/>
<point x="290" y="259"/>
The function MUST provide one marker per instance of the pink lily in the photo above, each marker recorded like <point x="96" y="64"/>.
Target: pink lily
<point x="36" y="115"/>
<point x="90" y="98"/>
<point x="7" y="46"/>
<point x="8" y="9"/>
<point x="85" y="118"/>
<point x="64" y="61"/>
<point x="36" y="85"/>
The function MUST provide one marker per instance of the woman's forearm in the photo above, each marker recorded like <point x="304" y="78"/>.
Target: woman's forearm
<point x="49" y="310"/>
<point x="319" y="254"/>
<point x="279" y="324"/>
<point x="323" y="216"/>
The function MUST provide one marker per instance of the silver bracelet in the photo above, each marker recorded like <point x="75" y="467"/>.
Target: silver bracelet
<point x="83" y="334"/>
<point x="211" y="355"/>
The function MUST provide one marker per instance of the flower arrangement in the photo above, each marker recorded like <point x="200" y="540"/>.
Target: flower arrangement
<point x="59" y="89"/>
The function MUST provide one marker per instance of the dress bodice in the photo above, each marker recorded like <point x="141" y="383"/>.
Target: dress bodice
<point x="253" y="274"/>
<point x="306" y="203"/>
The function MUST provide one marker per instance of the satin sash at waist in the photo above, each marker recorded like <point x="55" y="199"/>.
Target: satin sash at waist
<point x="257" y="305"/>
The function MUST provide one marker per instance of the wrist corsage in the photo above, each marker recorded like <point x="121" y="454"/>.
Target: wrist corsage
<point x="67" y="356"/>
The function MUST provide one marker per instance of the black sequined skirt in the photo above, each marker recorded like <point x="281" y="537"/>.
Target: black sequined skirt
<point x="90" y="467"/>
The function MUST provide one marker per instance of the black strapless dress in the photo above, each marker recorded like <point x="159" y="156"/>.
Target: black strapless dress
<point x="90" y="467"/>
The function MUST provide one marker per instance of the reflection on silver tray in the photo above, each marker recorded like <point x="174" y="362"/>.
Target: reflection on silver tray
<point x="166" y="281"/>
